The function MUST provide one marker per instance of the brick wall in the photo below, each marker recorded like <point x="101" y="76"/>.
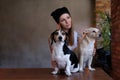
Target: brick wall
<point x="115" y="15"/>
<point x="102" y="6"/>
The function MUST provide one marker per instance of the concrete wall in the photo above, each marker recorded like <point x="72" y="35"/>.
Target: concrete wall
<point x="26" y="24"/>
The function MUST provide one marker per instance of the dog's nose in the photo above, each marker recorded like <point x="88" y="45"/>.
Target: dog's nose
<point x="60" y="38"/>
<point x="100" y="35"/>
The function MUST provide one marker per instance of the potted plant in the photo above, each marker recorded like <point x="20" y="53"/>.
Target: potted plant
<point x="105" y="54"/>
<point x="105" y="23"/>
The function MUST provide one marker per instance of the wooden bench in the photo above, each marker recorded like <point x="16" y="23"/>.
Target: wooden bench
<point x="45" y="74"/>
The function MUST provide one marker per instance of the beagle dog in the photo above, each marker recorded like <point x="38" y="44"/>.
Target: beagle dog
<point x="87" y="48"/>
<point x="64" y="57"/>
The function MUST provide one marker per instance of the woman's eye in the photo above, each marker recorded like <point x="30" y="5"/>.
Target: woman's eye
<point x="68" y="17"/>
<point x="62" y="20"/>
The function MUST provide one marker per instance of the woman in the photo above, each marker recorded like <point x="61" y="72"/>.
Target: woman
<point x="63" y="19"/>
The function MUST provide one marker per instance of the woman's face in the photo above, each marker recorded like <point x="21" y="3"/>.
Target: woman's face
<point x="65" y="21"/>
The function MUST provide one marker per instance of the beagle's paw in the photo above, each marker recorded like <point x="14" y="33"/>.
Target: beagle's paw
<point x="68" y="73"/>
<point x="54" y="72"/>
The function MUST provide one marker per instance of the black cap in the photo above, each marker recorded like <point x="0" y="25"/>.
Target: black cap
<point x="58" y="12"/>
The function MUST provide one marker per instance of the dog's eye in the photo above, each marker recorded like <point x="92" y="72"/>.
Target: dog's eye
<point x="56" y="33"/>
<point x="94" y="31"/>
<point x="63" y="33"/>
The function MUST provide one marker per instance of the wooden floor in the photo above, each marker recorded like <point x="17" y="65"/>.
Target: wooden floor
<point x="45" y="74"/>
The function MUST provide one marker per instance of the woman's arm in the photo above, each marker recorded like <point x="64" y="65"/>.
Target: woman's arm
<point x="53" y="62"/>
<point x="49" y="43"/>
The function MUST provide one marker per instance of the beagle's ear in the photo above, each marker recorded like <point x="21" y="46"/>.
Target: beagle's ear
<point x="67" y="38"/>
<point x="52" y="37"/>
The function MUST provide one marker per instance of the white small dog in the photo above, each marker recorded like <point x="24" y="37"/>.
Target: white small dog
<point x="64" y="57"/>
<point x="87" y="48"/>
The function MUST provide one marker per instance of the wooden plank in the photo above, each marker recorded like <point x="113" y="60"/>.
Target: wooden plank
<point x="45" y="74"/>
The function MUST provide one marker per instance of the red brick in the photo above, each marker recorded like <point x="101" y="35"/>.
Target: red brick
<point x="115" y="16"/>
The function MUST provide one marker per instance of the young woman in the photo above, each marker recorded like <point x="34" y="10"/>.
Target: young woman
<point x="63" y="19"/>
